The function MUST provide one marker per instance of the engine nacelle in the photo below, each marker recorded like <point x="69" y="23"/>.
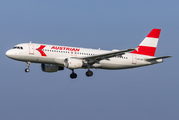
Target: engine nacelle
<point x="73" y="63"/>
<point x="51" y="68"/>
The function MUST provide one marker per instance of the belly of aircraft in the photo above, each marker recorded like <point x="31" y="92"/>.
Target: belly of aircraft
<point x="116" y="64"/>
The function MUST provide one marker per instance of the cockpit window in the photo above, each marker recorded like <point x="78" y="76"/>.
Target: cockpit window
<point x="17" y="47"/>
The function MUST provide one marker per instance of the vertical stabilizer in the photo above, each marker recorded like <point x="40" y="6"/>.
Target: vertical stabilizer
<point x="149" y="44"/>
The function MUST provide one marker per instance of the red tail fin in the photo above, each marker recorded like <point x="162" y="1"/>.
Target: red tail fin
<point x="149" y="44"/>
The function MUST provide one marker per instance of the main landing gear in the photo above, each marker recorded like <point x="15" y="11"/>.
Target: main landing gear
<point x="89" y="73"/>
<point x="27" y="69"/>
<point x="73" y="75"/>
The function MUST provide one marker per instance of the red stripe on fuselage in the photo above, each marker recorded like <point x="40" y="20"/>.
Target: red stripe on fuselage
<point x="145" y="50"/>
<point x="40" y="49"/>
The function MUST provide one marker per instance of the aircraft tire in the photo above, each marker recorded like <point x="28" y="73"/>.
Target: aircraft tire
<point x="89" y="73"/>
<point x="73" y="75"/>
<point x="27" y="70"/>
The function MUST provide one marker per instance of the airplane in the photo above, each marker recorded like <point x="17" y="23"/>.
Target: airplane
<point x="54" y="57"/>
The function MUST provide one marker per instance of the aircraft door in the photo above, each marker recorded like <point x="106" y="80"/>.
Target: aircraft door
<point x="31" y="49"/>
<point x="134" y="59"/>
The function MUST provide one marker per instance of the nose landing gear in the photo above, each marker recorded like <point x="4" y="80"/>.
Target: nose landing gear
<point x="27" y="69"/>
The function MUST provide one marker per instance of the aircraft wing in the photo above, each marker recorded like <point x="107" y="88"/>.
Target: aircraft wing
<point x="99" y="57"/>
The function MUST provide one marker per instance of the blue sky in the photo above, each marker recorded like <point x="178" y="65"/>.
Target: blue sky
<point x="140" y="94"/>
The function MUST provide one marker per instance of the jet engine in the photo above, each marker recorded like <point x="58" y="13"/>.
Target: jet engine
<point x="73" y="63"/>
<point x="51" y="68"/>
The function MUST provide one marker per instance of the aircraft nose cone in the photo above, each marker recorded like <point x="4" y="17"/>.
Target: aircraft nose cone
<point x="9" y="53"/>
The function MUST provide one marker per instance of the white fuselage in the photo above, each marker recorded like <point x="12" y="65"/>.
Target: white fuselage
<point x="54" y="58"/>
<point x="53" y="54"/>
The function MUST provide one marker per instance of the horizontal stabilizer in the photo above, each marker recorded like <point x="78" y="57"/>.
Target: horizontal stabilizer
<point x="157" y="58"/>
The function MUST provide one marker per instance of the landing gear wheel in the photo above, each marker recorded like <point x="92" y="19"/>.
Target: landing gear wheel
<point x="89" y="73"/>
<point x="27" y="70"/>
<point x="73" y="75"/>
<point x="28" y="64"/>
